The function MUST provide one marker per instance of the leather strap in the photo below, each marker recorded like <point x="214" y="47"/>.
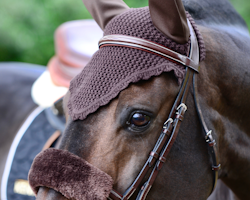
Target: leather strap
<point x="179" y="116"/>
<point x="207" y="136"/>
<point x="51" y="140"/>
<point x="145" y="45"/>
<point x="171" y="127"/>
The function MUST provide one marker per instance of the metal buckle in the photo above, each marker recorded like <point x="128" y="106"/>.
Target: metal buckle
<point x="170" y="120"/>
<point x="216" y="168"/>
<point x="182" y="105"/>
<point x="209" y="136"/>
<point x="209" y="139"/>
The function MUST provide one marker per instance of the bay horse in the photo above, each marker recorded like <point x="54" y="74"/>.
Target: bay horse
<point x="118" y="136"/>
<point x="120" y="149"/>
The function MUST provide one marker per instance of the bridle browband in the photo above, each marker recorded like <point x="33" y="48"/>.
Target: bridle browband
<point x="171" y="127"/>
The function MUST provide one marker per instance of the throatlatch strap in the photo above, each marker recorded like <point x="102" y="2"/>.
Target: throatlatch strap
<point x="208" y="136"/>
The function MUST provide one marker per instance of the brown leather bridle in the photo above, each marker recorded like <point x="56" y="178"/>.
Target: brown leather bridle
<point x="157" y="156"/>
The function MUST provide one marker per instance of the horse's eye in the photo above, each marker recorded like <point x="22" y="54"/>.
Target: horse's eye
<point x="139" y="120"/>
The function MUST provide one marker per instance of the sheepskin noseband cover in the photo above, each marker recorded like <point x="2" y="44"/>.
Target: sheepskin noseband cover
<point x="70" y="175"/>
<point x="113" y="68"/>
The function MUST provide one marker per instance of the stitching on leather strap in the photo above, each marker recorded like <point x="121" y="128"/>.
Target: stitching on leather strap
<point x="145" y="45"/>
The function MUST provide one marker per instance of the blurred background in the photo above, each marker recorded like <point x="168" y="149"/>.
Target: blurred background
<point x="27" y="27"/>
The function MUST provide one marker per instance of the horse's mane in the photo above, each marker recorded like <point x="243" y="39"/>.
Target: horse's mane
<point x="214" y="12"/>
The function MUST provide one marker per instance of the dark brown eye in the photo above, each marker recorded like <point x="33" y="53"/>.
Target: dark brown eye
<point x="139" y="120"/>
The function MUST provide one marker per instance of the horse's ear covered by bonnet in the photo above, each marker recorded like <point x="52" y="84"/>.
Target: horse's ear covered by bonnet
<point x="168" y="16"/>
<point x="113" y="68"/>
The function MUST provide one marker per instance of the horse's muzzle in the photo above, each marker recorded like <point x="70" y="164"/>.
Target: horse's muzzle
<point x="70" y="175"/>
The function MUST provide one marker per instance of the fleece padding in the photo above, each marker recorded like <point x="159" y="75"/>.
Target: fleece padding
<point x="70" y="175"/>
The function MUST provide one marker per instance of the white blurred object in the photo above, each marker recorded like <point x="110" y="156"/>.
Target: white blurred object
<point x="75" y="43"/>
<point x="45" y="98"/>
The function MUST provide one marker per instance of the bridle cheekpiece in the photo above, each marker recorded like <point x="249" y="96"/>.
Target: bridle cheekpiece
<point x="170" y="129"/>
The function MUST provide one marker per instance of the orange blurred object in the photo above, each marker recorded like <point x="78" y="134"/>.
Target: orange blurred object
<point x="75" y="43"/>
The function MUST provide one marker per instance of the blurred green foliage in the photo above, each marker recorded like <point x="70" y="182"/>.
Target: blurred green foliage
<point x="243" y="7"/>
<point x="27" y="27"/>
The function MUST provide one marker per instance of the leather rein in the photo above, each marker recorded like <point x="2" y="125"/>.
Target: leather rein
<point x="170" y="129"/>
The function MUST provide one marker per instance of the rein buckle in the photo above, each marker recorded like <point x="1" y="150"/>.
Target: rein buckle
<point x="216" y="168"/>
<point x="169" y="121"/>
<point x="209" y="139"/>
<point x="183" y="106"/>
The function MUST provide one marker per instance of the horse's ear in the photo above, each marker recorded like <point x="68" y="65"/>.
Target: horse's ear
<point x="104" y="10"/>
<point x="169" y="17"/>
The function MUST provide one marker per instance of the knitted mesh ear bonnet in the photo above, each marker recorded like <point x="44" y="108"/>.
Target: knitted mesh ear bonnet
<point x="112" y="69"/>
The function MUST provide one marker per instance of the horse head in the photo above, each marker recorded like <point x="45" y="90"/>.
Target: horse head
<point x="116" y="108"/>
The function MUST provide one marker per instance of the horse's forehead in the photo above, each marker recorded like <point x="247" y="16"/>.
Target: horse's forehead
<point x="156" y="89"/>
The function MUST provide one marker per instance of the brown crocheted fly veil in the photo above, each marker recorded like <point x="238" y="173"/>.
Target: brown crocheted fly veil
<point x="113" y="68"/>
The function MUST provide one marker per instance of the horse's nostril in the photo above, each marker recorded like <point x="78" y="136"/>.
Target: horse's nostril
<point x="49" y="194"/>
<point x="52" y="194"/>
